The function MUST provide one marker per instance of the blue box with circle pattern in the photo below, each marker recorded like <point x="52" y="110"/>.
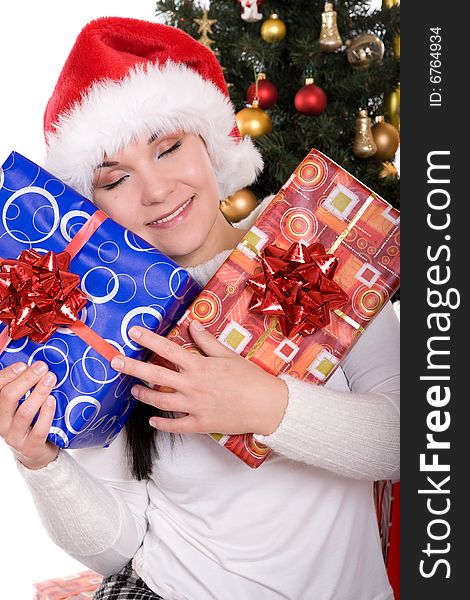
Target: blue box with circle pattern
<point x="73" y="309"/>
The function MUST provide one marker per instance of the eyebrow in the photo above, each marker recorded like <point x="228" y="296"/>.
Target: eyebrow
<point x="153" y="138"/>
<point x="112" y="163"/>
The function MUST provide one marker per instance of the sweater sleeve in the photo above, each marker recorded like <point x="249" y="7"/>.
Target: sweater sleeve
<point x="352" y="433"/>
<point x="90" y="505"/>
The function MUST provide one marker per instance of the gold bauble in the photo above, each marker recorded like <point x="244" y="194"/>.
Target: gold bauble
<point x="389" y="3"/>
<point x="392" y="107"/>
<point x="386" y="139"/>
<point x="364" y="50"/>
<point x="330" y="40"/>
<point x="363" y="144"/>
<point x="239" y="205"/>
<point x="273" y="29"/>
<point x="253" y="121"/>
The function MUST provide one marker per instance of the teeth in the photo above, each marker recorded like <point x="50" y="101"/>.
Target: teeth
<point x="173" y="215"/>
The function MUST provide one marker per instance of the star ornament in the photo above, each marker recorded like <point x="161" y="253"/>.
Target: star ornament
<point x="205" y="24"/>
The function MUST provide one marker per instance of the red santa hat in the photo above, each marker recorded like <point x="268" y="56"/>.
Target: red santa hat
<point x="126" y="79"/>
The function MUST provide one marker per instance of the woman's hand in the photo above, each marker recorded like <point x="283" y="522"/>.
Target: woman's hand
<point x="220" y="392"/>
<point x="27" y="441"/>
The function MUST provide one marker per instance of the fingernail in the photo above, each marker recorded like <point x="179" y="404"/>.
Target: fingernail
<point x="117" y="363"/>
<point x="39" y="368"/>
<point x="134" y="332"/>
<point x="49" y="379"/>
<point x="50" y="401"/>
<point x="18" y="368"/>
<point x="135" y="392"/>
<point x="198" y="326"/>
<point x="153" y="423"/>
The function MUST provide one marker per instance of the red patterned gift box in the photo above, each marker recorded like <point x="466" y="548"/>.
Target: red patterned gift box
<point x="320" y="203"/>
<point x="78" y="586"/>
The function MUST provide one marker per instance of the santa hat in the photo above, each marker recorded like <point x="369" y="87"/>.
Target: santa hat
<point x="126" y="79"/>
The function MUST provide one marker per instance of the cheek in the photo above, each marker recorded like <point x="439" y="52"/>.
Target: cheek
<point x="109" y="204"/>
<point x="201" y="172"/>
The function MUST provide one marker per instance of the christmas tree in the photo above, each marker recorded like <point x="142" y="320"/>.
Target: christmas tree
<point x="352" y="67"/>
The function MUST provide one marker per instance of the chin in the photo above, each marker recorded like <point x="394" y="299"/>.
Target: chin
<point x="183" y="253"/>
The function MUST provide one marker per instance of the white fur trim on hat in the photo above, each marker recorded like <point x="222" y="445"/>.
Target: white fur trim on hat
<point x="150" y="99"/>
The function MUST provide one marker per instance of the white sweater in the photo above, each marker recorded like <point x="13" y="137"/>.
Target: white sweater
<point x="205" y="526"/>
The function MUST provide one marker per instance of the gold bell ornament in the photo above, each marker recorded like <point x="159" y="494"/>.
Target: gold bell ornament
<point x="363" y="144"/>
<point x="253" y="121"/>
<point x="364" y="50"/>
<point x="239" y="205"/>
<point x="330" y="40"/>
<point x="386" y="138"/>
<point x="273" y="29"/>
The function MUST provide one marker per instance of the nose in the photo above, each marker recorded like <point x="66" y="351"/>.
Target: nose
<point x="157" y="186"/>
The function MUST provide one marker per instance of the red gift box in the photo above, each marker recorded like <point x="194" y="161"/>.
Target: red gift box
<point x="320" y="203"/>
<point x="78" y="586"/>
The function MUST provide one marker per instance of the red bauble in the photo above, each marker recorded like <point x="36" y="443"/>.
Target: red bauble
<point x="267" y="93"/>
<point x="310" y="100"/>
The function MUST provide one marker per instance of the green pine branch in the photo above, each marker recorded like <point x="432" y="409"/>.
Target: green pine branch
<point x="240" y="48"/>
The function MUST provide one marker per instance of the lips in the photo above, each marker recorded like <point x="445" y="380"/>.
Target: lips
<point x="169" y="217"/>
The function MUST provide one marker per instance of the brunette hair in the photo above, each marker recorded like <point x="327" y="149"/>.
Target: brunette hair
<point x="141" y="446"/>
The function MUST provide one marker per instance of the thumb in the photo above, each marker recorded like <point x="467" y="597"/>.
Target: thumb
<point x="208" y="343"/>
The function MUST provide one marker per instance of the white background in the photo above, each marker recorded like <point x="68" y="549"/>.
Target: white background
<point x="35" y="39"/>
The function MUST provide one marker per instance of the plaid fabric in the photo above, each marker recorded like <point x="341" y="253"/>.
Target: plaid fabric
<point x="125" y="585"/>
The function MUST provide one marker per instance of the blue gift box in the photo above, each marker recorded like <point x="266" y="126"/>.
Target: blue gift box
<point x="127" y="282"/>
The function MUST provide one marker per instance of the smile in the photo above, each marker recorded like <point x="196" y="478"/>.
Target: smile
<point x="172" y="215"/>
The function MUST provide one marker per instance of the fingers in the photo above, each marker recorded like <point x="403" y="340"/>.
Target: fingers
<point x="185" y="424"/>
<point x="163" y="347"/>
<point x="40" y="430"/>
<point x="152" y="374"/>
<point x="10" y="373"/>
<point x="207" y="342"/>
<point x="22" y="421"/>
<point x="14" y="386"/>
<point x="171" y="402"/>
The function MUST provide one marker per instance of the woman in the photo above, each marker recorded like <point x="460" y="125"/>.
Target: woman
<point x="141" y="122"/>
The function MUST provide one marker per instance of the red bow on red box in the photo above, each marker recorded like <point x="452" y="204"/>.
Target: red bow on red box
<point x="297" y="286"/>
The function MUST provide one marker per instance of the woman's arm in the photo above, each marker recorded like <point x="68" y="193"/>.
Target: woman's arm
<point x="355" y="433"/>
<point x="90" y="505"/>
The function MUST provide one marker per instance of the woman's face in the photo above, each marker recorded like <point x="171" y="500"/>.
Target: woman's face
<point x="164" y="190"/>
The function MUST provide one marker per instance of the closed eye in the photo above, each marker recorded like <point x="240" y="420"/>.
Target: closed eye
<point x="170" y="150"/>
<point x="111" y="186"/>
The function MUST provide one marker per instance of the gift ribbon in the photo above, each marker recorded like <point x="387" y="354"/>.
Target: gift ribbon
<point x="38" y="294"/>
<point x="339" y="240"/>
<point x="297" y="287"/>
